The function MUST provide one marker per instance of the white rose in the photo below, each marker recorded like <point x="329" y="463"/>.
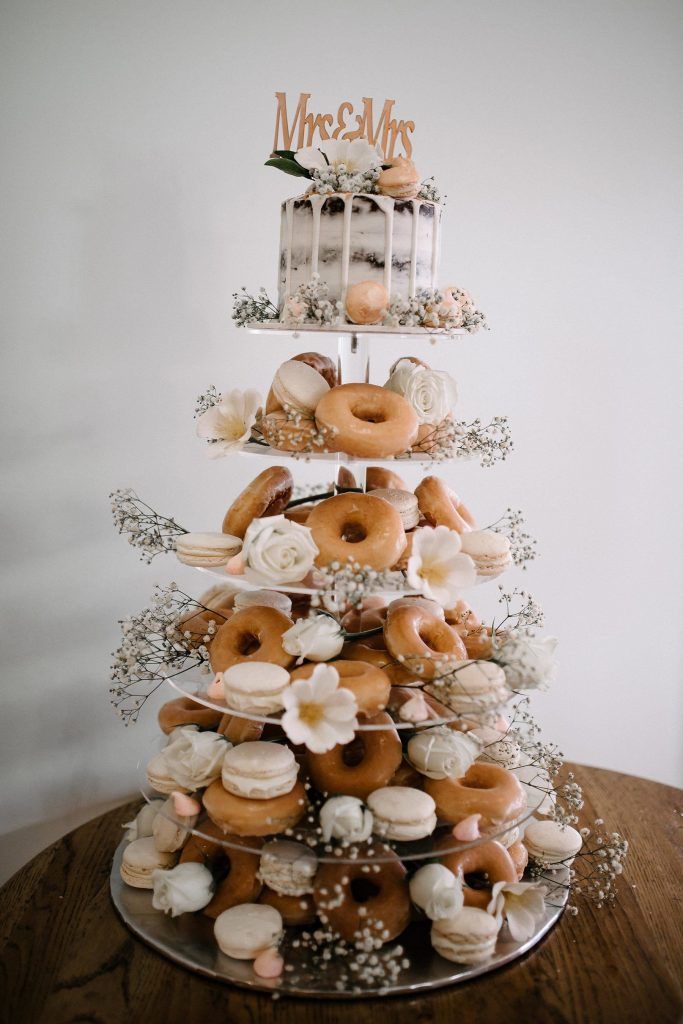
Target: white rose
<point x="183" y="889"/>
<point x="142" y="824"/>
<point x="318" y="638"/>
<point x="432" y="394"/>
<point x="529" y="663"/>
<point x="345" y="817"/>
<point x="276" y="550"/>
<point x="401" y="372"/>
<point x="437" y="891"/>
<point x="194" y="759"/>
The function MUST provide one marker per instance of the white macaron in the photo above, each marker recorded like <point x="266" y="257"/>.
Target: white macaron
<point x="263" y="599"/>
<point x="472" y="687"/>
<point x="259" y="770"/>
<point x="287" y="867"/>
<point x="490" y="552"/>
<point x="402" y="813"/>
<point x="140" y="859"/>
<point x="206" y="550"/>
<point x="248" y="929"/>
<point x="497" y="748"/>
<point x="468" y="937"/>
<point x="405" y="503"/>
<point x="255" y="687"/>
<point x="550" y="845"/>
<point x="297" y="386"/>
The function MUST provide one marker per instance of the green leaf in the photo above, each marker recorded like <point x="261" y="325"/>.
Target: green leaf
<point x="288" y="154"/>
<point x="288" y="166"/>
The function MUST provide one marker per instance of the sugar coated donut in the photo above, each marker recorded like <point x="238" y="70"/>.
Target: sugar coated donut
<point x="357" y="768"/>
<point x="490" y="859"/>
<point x="422" y="638"/>
<point x="359" y="528"/>
<point x="358" y="898"/>
<point x="442" y="507"/>
<point x="295" y="910"/>
<point x="185" y="711"/>
<point x="367" y="421"/>
<point x="252" y="817"/>
<point x="292" y="434"/>
<point x="235" y="866"/>
<point x="267" y="495"/>
<point x="485" y="789"/>
<point x="253" y="634"/>
<point x="369" y="684"/>
<point x="376" y="477"/>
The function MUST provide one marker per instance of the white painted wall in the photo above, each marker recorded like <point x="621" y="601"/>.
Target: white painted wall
<point x="135" y="201"/>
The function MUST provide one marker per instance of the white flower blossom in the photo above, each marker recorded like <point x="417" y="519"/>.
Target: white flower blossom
<point x="194" y="759"/>
<point x="277" y="550"/>
<point x="183" y="889"/>
<point x="529" y="662"/>
<point x="437" y="568"/>
<point x="350" y="156"/>
<point x="432" y="393"/>
<point x="345" y="818"/>
<point x="318" y="638"/>
<point x="437" y="891"/>
<point x="228" y="424"/>
<point x="319" y="712"/>
<point x="522" y="905"/>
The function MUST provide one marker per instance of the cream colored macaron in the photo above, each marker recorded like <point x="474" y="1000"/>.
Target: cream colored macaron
<point x="497" y="748"/>
<point x="259" y="770"/>
<point x="263" y="599"/>
<point x="287" y="867"/>
<point x="255" y="687"/>
<point x="248" y="929"/>
<point x="170" y="830"/>
<point x="490" y="552"/>
<point x="472" y="688"/>
<point x="405" y="503"/>
<point x="402" y="813"/>
<point x="206" y="550"/>
<point x="550" y="845"/>
<point x="468" y="937"/>
<point x="158" y="776"/>
<point x="140" y="859"/>
<point x="297" y="386"/>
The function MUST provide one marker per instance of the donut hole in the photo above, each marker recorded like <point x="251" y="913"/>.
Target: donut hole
<point x="477" y="880"/>
<point x="479" y="784"/>
<point x="353" y="753"/>
<point x="433" y="641"/>
<point x="364" y="889"/>
<point x="353" y="533"/>
<point x="368" y="413"/>
<point x="247" y="644"/>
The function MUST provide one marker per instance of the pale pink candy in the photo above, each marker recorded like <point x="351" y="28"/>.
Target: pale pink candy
<point x="269" y="964"/>
<point x="502" y="724"/>
<point x="184" y="805"/>
<point x="236" y="565"/>
<point x="215" y="688"/>
<point x="415" y="709"/>
<point x="467" y="830"/>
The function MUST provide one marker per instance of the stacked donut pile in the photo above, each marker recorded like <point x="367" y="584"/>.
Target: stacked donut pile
<point x="262" y="829"/>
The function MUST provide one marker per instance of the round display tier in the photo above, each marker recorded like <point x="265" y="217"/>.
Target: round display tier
<point x="339" y="458"/>
<point x="346" y="330"/>
<point x="189" y="941"/>
<point x="242" y="583"/>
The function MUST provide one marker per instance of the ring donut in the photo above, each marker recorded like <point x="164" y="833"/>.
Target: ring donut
<point x="369" y="684"/>
<point x="251" y="634"/>
<point x="267" y="495"/>
<point x="519" y="855"/>
<point x="185" y="711"/>
<point x="197" y="623"/>
<point x="398" y="675"/>
<point x="486" y="789"/>
<point x="354" y="900"/>
<point x="441" y="506"/>
<point x="490" y="859"/>
<point x="421" y="638"/>
<point x="292" y="434"/>
<point x="240" y="730"/>
<point x="236" y="868"/>
<point x="367" y="421"/>
<point x="295" y="910"/>
<point x="357" y="768"/>
<point x="243" y="816"/>
<point x="358" y="528"/>
<point x="378" y="478"/>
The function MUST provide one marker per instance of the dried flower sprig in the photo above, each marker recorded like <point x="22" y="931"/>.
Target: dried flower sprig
<point x="257" y="308"/>
<point x="311" y="304"/>
<point x="521" y="610"/>
<point x="429" y="190"/>
<point x="155" y="647"/>
<point x="428" y="308"/>
<point x="490" y="443"/>
<point x="522" y="545"/>
<point x="328" y="180"/>
<point x="344" y="586"/>
<point x="147" y="530"/>
<point x="206" y="401"/>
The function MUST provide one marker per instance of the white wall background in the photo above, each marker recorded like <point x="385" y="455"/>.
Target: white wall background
<point x="135" y="201"/>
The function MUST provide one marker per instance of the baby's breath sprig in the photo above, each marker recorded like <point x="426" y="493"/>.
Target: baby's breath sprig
<point x="344" y="586"/>
<point x="490" y="443"/>
<point x="155" y="647"/>
<point x="522" y="544"/>
<point x="311" y="304"/>
<point x="248" y="308"/>
<point x="428" y="309"/>
<point x="522" y="610"/>
<point x="429" y="190"/>
<point x="206" y="401"/>
<point x="146" y="529"/>
<point x="593" y="872"/>
<point x="338" y="178"/>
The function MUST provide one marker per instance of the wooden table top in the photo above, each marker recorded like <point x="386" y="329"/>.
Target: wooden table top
<point x="66" y="956"/>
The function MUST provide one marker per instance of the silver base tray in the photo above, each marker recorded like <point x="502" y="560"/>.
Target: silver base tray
<point x="188" y="940"/>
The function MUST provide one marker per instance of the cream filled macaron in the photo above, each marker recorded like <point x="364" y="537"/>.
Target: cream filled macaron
<point x="472" y="688"/>
<point x="297" y="386"/>
<point x="140" y="859"/>
<point x="170" y="830"/>
<point x="287" y="867"/>
<point x="404" y="502"/>
<point x="402" y="813"/>
<point x="206" y="550"/>
<point x="255" y="687"/>
<point x="442" y="753"/>
<point x="490" y="552"/>
<point x="468" y="937"/>
<point x="550" y="845"/>
<point x="158" y="775"/>
<point x="497" y="749"/>
<point x="263" y="599"/>
<point x="259" y="770"/>
<point x="248" y="929"/>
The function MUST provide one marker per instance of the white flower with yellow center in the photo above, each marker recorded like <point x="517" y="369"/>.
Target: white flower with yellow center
<point x="352" y="156"/>
<point x="437" y="567"/>
<point x="319" y="712"/>
<point x="228" y="423"/>
<point x="522" y="904"/>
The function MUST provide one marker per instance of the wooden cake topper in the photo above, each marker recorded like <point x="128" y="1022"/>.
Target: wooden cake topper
<point x="305" y="128"/>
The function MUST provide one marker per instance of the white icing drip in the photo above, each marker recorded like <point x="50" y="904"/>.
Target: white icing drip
<point x="387" y="205"/>
<point x="436" y="225"/>
<point x="289" y="208"/>
<point x="316" y="204"/>
<point x="416" y="204"/>
<point x="346" y="245"/>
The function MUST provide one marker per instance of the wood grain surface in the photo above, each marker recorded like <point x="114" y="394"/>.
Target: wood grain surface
<point x="66" y="956"/>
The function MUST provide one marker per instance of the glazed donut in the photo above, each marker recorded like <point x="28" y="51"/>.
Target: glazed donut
<point x="398" y="675"/>
<point x="432" y="436"/>
<point x="369" y="614"/>
<point x="359" y="528"/>
<point x="185" y="711"/>
<point x="367" y="421"/>
<point x="236" y="867"/>
<point x="295" y="910"/>
<point x="357" y="768"/>
<point x="267" y="495"/>
<point x="377" y="478"/>
<point x="485" y="789"/>
<point x="413" y="633"/>
<point x="406" y="775"/>
<point x="490" y="859"/>
<point x="217" y="608"/>
<point x="248" y="817"/>
<point x="369" y="685"/>
<point x="299" y="514"/>
<point x="436" y="711"/>
<point x="325" y="366"/>
<point x="251" y="634"/>
<point x="240" y="730"/>
<point x="357" y="897"/>
<point x="442" y="507"/>
<point x="287" y="434"/>
<point x="519" y="855"/>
